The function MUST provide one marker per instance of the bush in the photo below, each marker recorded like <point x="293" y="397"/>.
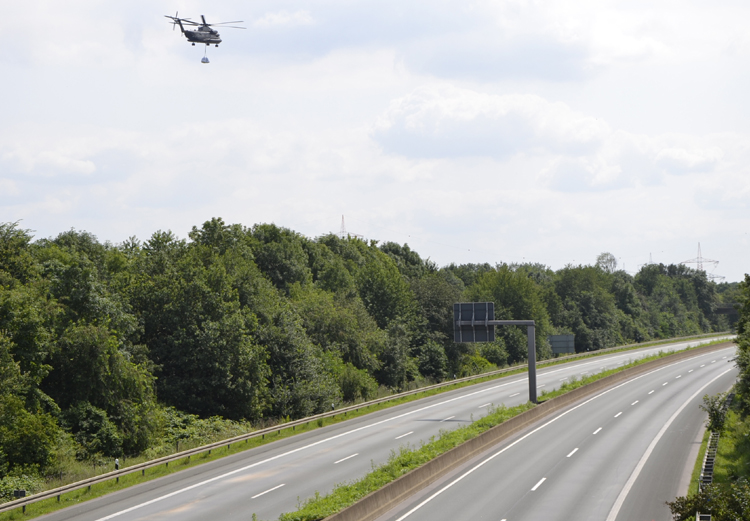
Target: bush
<point x="26" y="479"/>
<point x="357" y="383"/>
<point x="93" y="431"/>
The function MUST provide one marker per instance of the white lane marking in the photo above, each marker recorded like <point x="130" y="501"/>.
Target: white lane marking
<point x="512" y="395"/>
<point x="713" y="361"/>
<point x="539" y="386"/>
<point x="678" y="376"/>
<point x="691" y="371"/>
<point x="346" y="458"/>
<point x="723" y="357"/>
<point x="446" y="419"/>
<point x="634" y="402"/>
<point x="534" y="431"/>
<point x="618" y="414"/>
<point x="651" y="392"/>
<point x="572" y="452"/>
<point x="563" y="379"/>
<point x="258" y="495"/>
<point x="629" y="484"/>
<point x="597" y="430"/>
<point x="704" y="365"/>
<point x="485" y="405"/>
<point x="665" y="383"/>
<point x="537" y="485"/>
<point x="399" y="437"/>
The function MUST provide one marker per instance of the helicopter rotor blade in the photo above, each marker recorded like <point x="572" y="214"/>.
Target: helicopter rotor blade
<point x="204" y="20"/>
<point x="222" y="23"/>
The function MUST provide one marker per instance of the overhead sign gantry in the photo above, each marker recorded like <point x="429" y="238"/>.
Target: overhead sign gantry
<point x="475" y="322"/>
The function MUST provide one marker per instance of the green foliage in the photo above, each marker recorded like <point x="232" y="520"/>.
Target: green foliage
<point x="516" y="297"/>
<point x="722" y="501"/>
<point x="23" y="479"/>
<point x="713" y="405"/>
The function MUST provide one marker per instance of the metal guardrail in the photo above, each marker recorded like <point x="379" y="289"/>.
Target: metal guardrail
<point x="166" y="460"/>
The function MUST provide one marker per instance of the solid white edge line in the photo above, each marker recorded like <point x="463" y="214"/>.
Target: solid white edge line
<point x="519" y="440"/>
<point x="537" y="485"/>
<point x="267" y="491"/>
<point x="572" y="452"/>
<point x="346" y="458"/>
<point x="399" y="437"/>
<point x="631" y="481"/>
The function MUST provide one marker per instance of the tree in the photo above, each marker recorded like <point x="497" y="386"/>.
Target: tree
<point x="607" y="262"/>
<point x="516" y="297"/>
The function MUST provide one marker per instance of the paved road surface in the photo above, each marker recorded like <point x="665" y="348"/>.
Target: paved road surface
<point x="618" y="455"/>
<point x="272" y="479"/>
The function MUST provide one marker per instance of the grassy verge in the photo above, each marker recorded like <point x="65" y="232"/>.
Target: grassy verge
<point x="407" y="458"/>
<point x="733" y="454"/>
<point x="71" y="498"/>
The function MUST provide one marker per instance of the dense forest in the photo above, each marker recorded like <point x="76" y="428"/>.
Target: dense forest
<point x="104" y="348"/>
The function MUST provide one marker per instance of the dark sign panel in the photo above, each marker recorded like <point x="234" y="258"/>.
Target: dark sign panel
<point x="470" y="322"/>
<point x="562" y="343"/>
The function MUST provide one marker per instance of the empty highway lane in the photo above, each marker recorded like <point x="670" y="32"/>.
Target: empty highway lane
<point x="617" y="455"/>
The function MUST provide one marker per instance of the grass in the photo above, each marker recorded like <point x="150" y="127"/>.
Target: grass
<point x="733" y="454"/>
<point x="696" y="476"/>
<point x="71" y="498"/>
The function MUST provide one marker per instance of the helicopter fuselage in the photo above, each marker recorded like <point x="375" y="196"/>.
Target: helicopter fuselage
<point x="203" y="35"/>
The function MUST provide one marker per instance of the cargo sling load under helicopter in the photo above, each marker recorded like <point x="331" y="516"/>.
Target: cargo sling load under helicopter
<point x="204" y="33"/>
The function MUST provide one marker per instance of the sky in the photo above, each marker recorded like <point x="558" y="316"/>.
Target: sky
<point x="490" y="131"/>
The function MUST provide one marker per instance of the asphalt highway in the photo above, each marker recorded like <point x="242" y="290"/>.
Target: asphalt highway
<point x="275" y="478"/>
<point x="617" y="455"/>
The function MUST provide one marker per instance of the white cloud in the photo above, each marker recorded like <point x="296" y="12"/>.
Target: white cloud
<point x="284" y="18"/>
<point x="448" y="121"/>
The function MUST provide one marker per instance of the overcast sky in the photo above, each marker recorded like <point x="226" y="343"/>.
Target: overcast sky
<point x="504" y="131"/>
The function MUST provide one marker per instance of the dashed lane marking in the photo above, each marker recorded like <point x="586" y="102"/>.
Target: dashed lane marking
<point x="538" y="484"/>
<point x="346" y="458"/>
<point x="634" y="402"/>
<point x="446" y="419"/>
<point x="399" y="437"/>
<point x="618" y="414"/>
<point x="267" y="491"/>
<point x="572" y="452"/>
<point x="651" y="392"/>
<point x="597" y="430"/>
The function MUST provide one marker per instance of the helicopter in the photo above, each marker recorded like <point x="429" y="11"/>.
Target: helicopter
<point x="204" y="32"/>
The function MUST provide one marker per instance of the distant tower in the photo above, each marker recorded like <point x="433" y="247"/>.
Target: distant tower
<point x="342" y="232"/>
<point x="699" y="261"/>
